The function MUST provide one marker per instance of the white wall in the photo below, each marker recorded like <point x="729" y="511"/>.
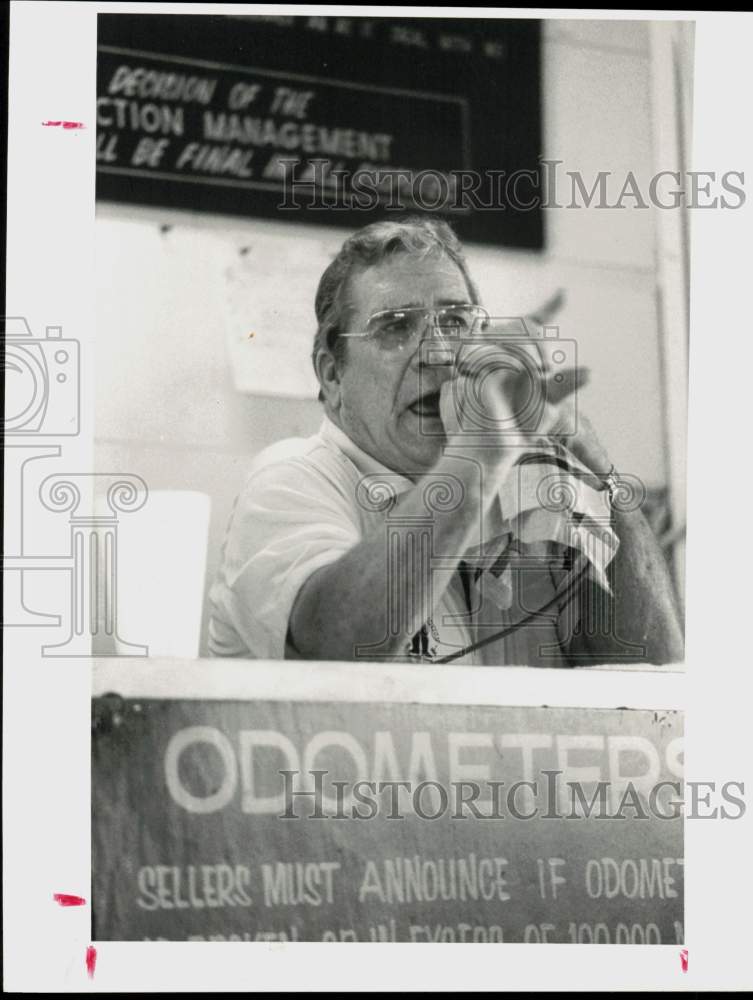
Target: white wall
<point x="166" y="409"/>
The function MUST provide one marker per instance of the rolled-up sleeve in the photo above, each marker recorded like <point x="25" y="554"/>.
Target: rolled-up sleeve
<point x="289" y="521"/>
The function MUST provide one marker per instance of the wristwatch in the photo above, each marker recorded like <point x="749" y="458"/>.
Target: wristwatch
<point x="611" y="482"/>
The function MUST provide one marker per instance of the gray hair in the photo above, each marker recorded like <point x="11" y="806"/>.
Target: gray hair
<point x="417" y="235"/>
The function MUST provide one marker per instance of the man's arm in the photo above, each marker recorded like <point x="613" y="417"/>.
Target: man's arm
<point x="346" y="604"/>
<point x="639" y="621"/>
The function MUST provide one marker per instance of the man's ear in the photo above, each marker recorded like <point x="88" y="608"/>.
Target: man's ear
<point x="328" y="373"/>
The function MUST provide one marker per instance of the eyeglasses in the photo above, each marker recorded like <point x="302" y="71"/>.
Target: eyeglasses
<point x="397" y="330"/>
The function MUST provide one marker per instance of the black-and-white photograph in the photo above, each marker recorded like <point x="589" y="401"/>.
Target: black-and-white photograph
<point x="392" y="323"/>
<point x="347" y="506"/>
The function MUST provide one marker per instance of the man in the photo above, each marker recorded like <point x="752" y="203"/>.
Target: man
<point x="394" y="533"/>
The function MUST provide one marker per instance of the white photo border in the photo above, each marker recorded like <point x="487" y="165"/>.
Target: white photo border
<point x="50" y="265"/>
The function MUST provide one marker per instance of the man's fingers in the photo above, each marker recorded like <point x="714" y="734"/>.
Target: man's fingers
<point x="491" y="392"/>
<point x="548" y="309"/>
<point x="512" y="377"/>
<point x="563" y="384"/>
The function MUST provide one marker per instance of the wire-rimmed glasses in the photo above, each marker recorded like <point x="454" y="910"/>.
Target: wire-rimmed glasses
<point x="398" y="330"/>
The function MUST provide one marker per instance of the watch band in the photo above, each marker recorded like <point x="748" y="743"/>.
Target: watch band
<point x="611" y="481"/>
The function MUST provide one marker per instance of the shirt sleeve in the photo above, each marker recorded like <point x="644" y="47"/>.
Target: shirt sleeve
<point x="289" y="521"/>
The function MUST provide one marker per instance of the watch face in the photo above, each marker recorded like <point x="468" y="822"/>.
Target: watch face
<point x="25" y="387"/>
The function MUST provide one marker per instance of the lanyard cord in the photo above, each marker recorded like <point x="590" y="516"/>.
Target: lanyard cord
<point x="513" y="628"/>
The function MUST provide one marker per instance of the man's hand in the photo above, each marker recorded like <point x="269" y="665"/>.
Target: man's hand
<point x="503" y="391"/>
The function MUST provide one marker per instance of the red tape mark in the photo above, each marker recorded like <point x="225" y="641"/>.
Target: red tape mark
<point x="91" y="960"/>
<point x="64" y="899"/>
<point x="684" y="959"/>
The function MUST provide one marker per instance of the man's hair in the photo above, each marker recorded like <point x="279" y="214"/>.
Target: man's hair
<point x="416" y="235"/>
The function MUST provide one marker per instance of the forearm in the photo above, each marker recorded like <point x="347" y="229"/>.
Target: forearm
<point x="381" y="592"/>
<point x="639" y="621"/>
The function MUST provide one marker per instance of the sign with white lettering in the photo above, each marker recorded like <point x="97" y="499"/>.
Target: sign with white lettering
<point x="306" y="821"/>
<point x="330" y="120"/>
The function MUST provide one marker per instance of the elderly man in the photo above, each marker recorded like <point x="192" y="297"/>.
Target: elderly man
<point x="409" y="528"/>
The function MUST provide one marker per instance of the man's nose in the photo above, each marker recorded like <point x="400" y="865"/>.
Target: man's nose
<point x="437" y="348"/>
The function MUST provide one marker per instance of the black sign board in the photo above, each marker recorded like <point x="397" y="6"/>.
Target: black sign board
<point x="475" y="834"/>
<point x="331" y="120"/>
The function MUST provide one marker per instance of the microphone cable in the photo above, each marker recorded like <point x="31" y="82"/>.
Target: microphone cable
<point x="514" y="628"/>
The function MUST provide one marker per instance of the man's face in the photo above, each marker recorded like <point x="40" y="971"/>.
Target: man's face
<point x="389" y="401"/>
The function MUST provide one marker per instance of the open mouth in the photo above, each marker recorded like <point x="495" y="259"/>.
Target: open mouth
<point x="426" y="406"/>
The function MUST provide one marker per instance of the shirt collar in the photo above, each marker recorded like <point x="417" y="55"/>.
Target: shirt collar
<point x="364" y="463"/>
